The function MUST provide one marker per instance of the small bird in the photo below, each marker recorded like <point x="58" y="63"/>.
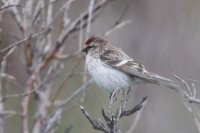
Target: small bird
<point x="113" y="69"/>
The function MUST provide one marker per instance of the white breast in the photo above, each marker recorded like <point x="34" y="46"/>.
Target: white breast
<point x="105" y="76"/>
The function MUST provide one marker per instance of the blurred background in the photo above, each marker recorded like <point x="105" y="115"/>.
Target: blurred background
<point x="164" y="36"/>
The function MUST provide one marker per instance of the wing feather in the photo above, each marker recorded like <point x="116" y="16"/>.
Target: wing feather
<point x="122" y="62"/>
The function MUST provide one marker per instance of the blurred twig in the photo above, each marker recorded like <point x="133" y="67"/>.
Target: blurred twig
<point x="137" y="118"/>
<point x="119" y="23"/>
<point x="59" y="89"/>
<point x="50" y="54"/>
<point x="189" y="94"/>
<point x="74" y="94"/>
<point x="4" y="7"/>
<point x="3" y="62"/>
<point x="118" y="26"/>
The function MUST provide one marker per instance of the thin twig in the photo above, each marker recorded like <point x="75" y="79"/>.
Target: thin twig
<point x="98" y="125"/>
<point x="189" y="96"/>
<point x="76" y="24"/>
<point x="118" y="21"/>
<point x="75" y="93"/>
<point x="18" y="95"/>
<point x="137" y="118"/>
<point x="59" y="89"/>
<point x="135" y="109"/>
<point x="118" y="26"/>
<point x="90" y="10"/>
<point x="4" y="7"/>
<point x="3" y="62"/>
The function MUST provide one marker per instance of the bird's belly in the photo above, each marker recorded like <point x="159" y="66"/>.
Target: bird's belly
<point x="107" y="77"/>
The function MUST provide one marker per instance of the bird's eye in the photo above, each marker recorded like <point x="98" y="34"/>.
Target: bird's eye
<point x="91" y="39"/>
<point x="89" y="47"/>
<point x="86" y="49"/>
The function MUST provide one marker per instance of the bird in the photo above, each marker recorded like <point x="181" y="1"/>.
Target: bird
<point x="112" y="69"/>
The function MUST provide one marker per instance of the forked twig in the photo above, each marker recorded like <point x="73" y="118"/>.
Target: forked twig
<point x="111" y="124"/>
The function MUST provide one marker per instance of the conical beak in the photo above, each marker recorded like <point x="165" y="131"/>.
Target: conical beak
<point x="84" y="49"/>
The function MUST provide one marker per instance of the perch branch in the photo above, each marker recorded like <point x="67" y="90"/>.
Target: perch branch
<point x="111" y="124"/>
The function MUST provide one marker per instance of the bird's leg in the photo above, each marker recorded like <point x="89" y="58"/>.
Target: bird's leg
<point x="112" y="98"/>
<point x="113" y="94"/>
<point x="128" y="92"/>
<point x="124" y="99"/>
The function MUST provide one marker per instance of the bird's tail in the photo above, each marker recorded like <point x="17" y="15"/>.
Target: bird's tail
<point x="162" y="81"/>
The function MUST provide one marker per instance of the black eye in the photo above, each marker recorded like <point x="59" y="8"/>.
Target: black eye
<point x="89" y="47"/>
<point x="86" y="49"/>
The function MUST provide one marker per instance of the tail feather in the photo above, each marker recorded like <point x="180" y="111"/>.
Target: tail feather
<point x="165" y="82"/>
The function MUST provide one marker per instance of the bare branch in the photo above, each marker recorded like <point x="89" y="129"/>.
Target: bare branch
<point x="98" y="125"/>
<point x="53" y="121"/>
<point x="190" y="92"/>
<point x="4" y="7"/>
<point x="118" y="21"/>
<point x="189" y="96"/>
<point x="90" y="11"/>
<point x="117" y="27"/>
<point x="17" y="16"/>
<point x="76" y="24"/>
<point x="111" y="124"/>
<point x="75" y="93"/>
<point x="5" y="53"/>
<point x="135" y="109"/>
<point x="23" y="41"/>
<point x="3" y="62"/>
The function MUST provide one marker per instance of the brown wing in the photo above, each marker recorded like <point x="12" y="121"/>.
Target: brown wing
<point x="122" y="62"/>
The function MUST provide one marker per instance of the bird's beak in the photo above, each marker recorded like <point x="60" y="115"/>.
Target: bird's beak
<point x="84" y="49"/>
<point x="87" y="48"/>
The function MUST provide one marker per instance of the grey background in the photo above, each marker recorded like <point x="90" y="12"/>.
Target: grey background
<point x="164" y="36"/>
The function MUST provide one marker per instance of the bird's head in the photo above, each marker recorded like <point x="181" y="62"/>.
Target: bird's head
<point x="93" y="42"/>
